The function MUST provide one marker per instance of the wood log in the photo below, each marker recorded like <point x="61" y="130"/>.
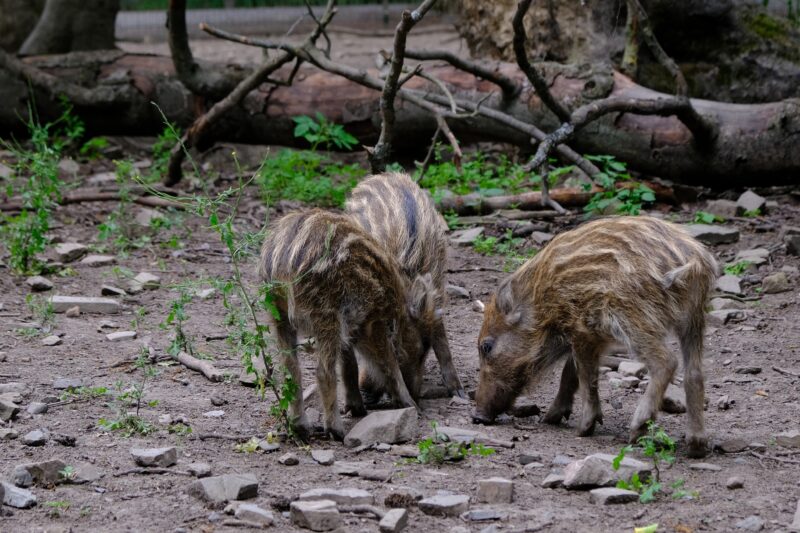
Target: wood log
<point x="204" y="367"/>
<point x="756" y="145"/>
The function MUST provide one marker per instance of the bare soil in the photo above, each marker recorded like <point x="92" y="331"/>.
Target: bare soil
<point x="762" y="404"/>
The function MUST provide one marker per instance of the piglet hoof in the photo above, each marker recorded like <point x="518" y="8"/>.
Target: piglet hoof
<point x="478" y="418"/>
<point x="697" y="447"/>
<point x="555" y="416"/>
<point x="336" y="434"/>
<point x="371" y="398"/>
<point x="586" y="429"/>
<point x="356" y="410"/>
<point x="302" y="432"/>
<point x="461" y="393"/>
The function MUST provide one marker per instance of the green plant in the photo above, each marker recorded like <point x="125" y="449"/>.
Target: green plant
<point x="736" y="269"/>
<point x="627" y="200"/>
<point x="67" y="473"/>
<point x="129" y="424"/>
<point x="323" y="132"/>
<point x="42" y="310"/>
<point x="176" y="318"/>
<point x="659" y="447"/>
<point x="93" y="148"/>
<point x="181" y="430"/>
<point x="452" y="219"/>
<point x="161" y="151"/>
<point x="438" y="448"/>
<point x="752" y="213"/>
<point x="57" y="507"/>
<point x="702" y="217"/>
<point x="83" y="393"/>
<point x="507" y="246"/>
<point x="251" y="446"/>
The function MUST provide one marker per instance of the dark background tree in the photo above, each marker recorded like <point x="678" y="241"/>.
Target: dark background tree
<point x="73" y="26"/>
<point x="17" y="20"/>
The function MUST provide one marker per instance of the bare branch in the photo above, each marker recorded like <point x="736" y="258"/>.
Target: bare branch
<point x="379" y="154"/>
<point x="442" y="126"/>
<point x="630" y="56"/>
<point x="509" y="87"/>
<point x="429" y="156"/>
<point x="525" y="65"/>
<point x="646" y="32"/>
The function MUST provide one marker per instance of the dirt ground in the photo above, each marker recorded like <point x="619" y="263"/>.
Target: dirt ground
<point x="762" y="404"/>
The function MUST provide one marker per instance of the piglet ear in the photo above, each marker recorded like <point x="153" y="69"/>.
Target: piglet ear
<point x="505" y="298"/>
<point x="420" y="302"/>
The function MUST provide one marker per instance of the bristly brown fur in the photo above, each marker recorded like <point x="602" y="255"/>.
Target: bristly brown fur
<point x="402" y="218"/>
<point x="339" y="286"/>
<point x="630" y="280"/>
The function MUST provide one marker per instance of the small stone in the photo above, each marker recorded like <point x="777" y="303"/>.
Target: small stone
<point x="8" y="410"/>
<point x="730" y="284"/>
<point x="394" y="521"/>
<point x="723" y="304"/>
<point x="383" y="447"/>
<point x="757" y="447"/>
<point x="483" y="515"/>
<point x="597" y="471"/>
<point x="455" y="291"/>
<point x="288" y="459"/>
<point x="86" y="473"/>
<point x="713" y="234"/>
<point x="751" y="523"/>
<point x="747" y="370"/>
<point x="495" y="490"/>
<point x="5" y="171"/>
<point x="66" y="252"/>
<point x="199" y="469"/>
<point x="525" y="458"/>
<point x="392" y="427"/>
<point x="37" y="437"/>
<point x="218" y="401"/>
<point x="86" y="304"/>
<point x="323" y="457"/>
<point x="755" y="256"/>
<point x="346" y="468"/>
<point x="98" y="260"/>
<point x="732" y="446"/>
<point x="51" y="340"/>
<point x="254" y="514"/>
<point x="734" y="483"/>
<point x="268" y="447"/>
<point x="384" y="475"/>
<point x="402" y="498"/>
<point x="16" y="497"/>
<point x="705" y="466"/>
<point x="64" y="440"/>
<point x="553" y="481"/>
<point x="205" y="294"/>
<point x="612" y="495"/>
<point x="146" y="281"/>
<point x="73" y="312"/>
<point x="145" y="216"/>
<point x="162" y="457"/>
<point x="466" y="236"/>
<point x="632" y="368"/>
<point x="674" y="401"/>
<point x="37" y="408"/>
<point x="788" y="439"/>
<point x="44" y="473"/>
<point x="110" y="290"/>
<point x="339" y="496"/>
<point x="69" y="166"/>
<point x="444" y="505"/>
<point x="721" y="208"/>
<point x="218" y="413"/>
<point x="321" y="515"/>
<point x="776" y="283"/>
<point x="750" y="202"/>
<point x="792" y="243"/>
<point x="220" y="489"/>
<point x="39" y="283"/>
<point x="121" y="336"/>
<point x="67" y="383"/>
<point x="541" y="237"/>
<point x="8" y="434"/>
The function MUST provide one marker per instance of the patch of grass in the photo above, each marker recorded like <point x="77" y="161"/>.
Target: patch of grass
<point x="55" y="508"/>
<point x="752" y="213"/>
<point x="627" y="200"/>
<point x="437" y="449"/>
<point x="703" y="217"/>
<point x="67" y="473"/>
<point x="323" y="132"/>
<point x="251" y="446"/>
<point x="736" y="269"/>
<point x="41" y="309"/>
<point x="507" y="246"/>
<point x="129" y="424"/>
<point x="83" y="393"/>
<point x="93" y="148"/>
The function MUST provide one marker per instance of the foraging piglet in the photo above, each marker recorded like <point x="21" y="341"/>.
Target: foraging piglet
<point x="628" y="280"/>
<point x="335" y="283"/>
<point x="402" y="218"/>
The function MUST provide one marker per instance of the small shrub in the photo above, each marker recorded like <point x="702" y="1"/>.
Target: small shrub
<point x="323" y="132"/>
<point x="702" y="217"/>
<point x="736" y="269"/>
<point x="438" y="448"/>
<point x="628" y="200"/>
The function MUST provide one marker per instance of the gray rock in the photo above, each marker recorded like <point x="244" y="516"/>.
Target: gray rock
<point x="392" y="427"/>
<point x="320" y="515"/>
<point x="674" y="401"/>
<point x="67" y="383"/>
<point x="199" y="469"/>
<point x="612" y="495"/>
<point x="756" y="256"/>
<point x="788" y="439"/>
<point x="98" y="260"/>
<point x="750" y="202"/>
<point x="69" y="166"/>
<point x="792" y="243"/>
<point x="724" y="403"/>
<point x="86" y="473"/>
<point x="146" y="281"/>
<point x="268" y="447"/>
<point x="221" y="489"/>
<point x="5" y="171"/>
<point x="51" y="340"/>
<point x="525" y="458"/>
<point x="37" y="437"/>
<point x="444" y="505"/>
<point x="725" y="304"/>
<point x="722" y="317"/>
<point x="323" y="457"/>
<point x="541" y="237"/>
<point x="348" y="468"/>
<point x="384" y="475"/>
<point x="730" y="284"/>
<point x="796" y="521"/>
<point x="16" y="497"/>
<point x="162" y="457"/>
<point x="86" y="304"/>
<point x="394" y="521"/>
<point x="632" y="368"/>
<point x="254" y="514"/>
<point x="454" y="291"/>
<point x="713" y="234"/>
<point x="8" y="410"/>
<point x="483" y="515"/>
<point x="747" y="370"/>
<point x="288" y="459"/>
<point x="734" y="483"/>
<point x="111" y="290"/>
<point x="66" y="252"/>
<point x="466" y="236"/>
<point x="708" y="467"/>
<point x="8" y="434"/>
<point x="37" y="408"/>
<point x="121" y="336"/>
<point x="39" y="283"/>
<point x="732" y="446"/>
<point x="553" y="481"/>
<point x="721" y="208"/>
<point x="597" y="471"/>
<point x="339" y="496"/>
<point x="775" y="283"/>
<point x="145" y="216"/>
<point x="751" y="523"/>
<point x="495" y="490"/>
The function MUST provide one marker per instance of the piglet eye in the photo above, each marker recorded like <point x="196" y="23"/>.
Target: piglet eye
<point x="486" y="347"/>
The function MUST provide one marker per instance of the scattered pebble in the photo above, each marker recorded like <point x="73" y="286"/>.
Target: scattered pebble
<point x="751" y="523"/>
<point x="321" y="515"/>
<point x="705" y="466"/>
<point x="162" y="457"/>
<point x="444" y="505"/>
<point x="121" y="336"/>
<point x="37" y="408"/>
<point x="323" y="457"/>
<point x="37" y="437"/>
<point x="495" y="490"/>
<point x="288" y="459"/>
<point x="339" y="496"/>
<point x="734" y="482"/>
<point x="199" y="469"/>
<point x="51" y="340"/>
<point x="254" y="514"/>
<point x="221" y="489"/>
<point x="97" y="260"/>
<point x="394" y="521"/>
<point x="612" y="495"/>
<point x="39" y="283"/>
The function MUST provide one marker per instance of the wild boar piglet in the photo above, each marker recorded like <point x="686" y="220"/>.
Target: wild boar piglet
<point x="402" y="218"/>
<point x="619" y="280"/>
<point x="335" y="283"/>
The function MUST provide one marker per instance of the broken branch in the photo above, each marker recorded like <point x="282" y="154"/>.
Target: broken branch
<point x="211" y="372"/>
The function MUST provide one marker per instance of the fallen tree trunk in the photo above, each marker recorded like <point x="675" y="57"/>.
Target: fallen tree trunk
<point x="756" y="144"/>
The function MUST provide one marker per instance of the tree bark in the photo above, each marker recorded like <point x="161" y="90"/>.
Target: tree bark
<point x="757" y="143"/>
<point x="17" y="20"/>
<point x="73" y="25"/>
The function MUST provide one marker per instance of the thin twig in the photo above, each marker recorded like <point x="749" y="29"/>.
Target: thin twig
<point x="363" y="509"/>
<point x="146" y="471"/>
<point x="786" y="372"/>
<point x="772" y="458"/>
<point x="429" y="156"/>
<point x="442" y="126"/>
